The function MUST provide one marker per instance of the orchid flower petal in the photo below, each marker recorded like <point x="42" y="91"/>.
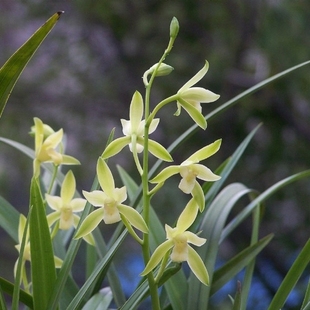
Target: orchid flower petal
<point x="166" y="174"/>
<point x="136" y="111"/>
<point x="199" y="94"/>
<point x="134" y="217"/>
<point x="153" y="125"/>
<point x="68" y="188"/>
<point x="88" y="238"/>
<point x="157" y="256"/>
<point x="77" y="204"/>
<point x="90" y="223"/>
<point x="115" y="147"/>
<point x="198" y="196"/>
<point x="96" y="198"/>
<point x="188" y="216"/>
<point x="196" y="78"/>
<point x="205" y="173"/>
<point x="197" y="266"/>
<point x="205" y="152"/>
<point x="197" y="117"/>
<point x="53" y="217"/>
<point x="54" y="202"/>
<point x="194" y="239"/>
<point x="159" y="151"/>
<point x="105" y="177"/>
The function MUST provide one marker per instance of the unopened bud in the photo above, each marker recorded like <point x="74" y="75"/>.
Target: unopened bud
<point x="174" y="28"/>
<point x="163" y="69"/>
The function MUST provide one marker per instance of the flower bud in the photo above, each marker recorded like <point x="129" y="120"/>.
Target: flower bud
<point x="163" y="69"/>
<point x="174" y="28"/>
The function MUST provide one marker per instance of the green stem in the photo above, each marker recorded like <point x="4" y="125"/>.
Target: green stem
<point x="145" y="182"/>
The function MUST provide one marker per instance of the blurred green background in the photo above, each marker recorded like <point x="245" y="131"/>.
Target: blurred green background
<point x="83" y="76"/>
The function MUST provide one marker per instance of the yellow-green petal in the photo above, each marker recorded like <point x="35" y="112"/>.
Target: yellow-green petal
<point x="116" y="146"/>
<point x="198" y="196"/>
<point x="53" y="217"/>
<point x="69" y="160"/>
<point x="157" y="256"/>
<point x="68" y="187"/>
<point x="197" y="266"/>
<point x="96" y="198"/>
<point x="193" y="113"/>
<point x="133" y="217"/>
<point x="205" y="173"/>
<point x="88" y="238"/>
<point x="188" y="216"/>
<point x="105" y="177"/>
<point x="90" y="223"/>
<point x="205" y="152"/>
<point x="159" y="151"/>
<point x="199" y="94"/>
<point x="196" y="78"/>
<point x="54" y="202"/>
<point x="136" y="111"/>
<point x="166" y="174"/>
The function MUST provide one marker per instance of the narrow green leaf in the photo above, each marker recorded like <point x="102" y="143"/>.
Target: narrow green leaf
<point x="9" y="218"/>
<point x="291" y="278"/>
<point x="2" y="300"/>
<point x="237" y="263"/>
<point x="24" y="297"/>
<point x="15" y="65"/>
<point x="306" y="301"/>
<point x="43" y="271"/>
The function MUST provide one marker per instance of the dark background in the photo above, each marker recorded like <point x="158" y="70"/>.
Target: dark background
<point x="84" y="74"/>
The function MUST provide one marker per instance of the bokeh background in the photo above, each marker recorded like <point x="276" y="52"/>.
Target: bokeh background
<point x="84" y="74"/>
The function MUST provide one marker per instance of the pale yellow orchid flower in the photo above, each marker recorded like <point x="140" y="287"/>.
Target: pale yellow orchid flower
<point x="65" y="206"/>
<point x="47" y="145"/>
<point x="190" y="98"/>
<point x="178" y="242"/>
<point x="109" y="203"/>
<point x="133" y="129"/>
<point x="190" y="169"/>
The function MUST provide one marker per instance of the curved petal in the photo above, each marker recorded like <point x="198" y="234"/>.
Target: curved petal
<point x="90" y="223"/>
<point x="188" y="216"/>
<point x="39" y="133"/>
<point x="159" y="151"/>
<point x="96" y="198"/>
<point x="196" y="78"/>
<point x="186" y="185"/>
<point x="166" y="174"/>
<point x="136" y="111"/>
<point x="115" y="147"/>
<point x="198" y="196"/>
<point x="69" y="160"/>
<point x="88" y="238"/>
<point x="126" y="127"/>
<point x="205" y="173"/>
<point x="68" y="187"/>
<point x="197" y="266"/>
<point x="153" y="125"/>
<point x="54" y="139"/>
<point x="77" y="204"/>
<point x="52" y="218"/>
<point x="194" y="239"/>
<point x="134" y="217"/>
<point x="120" y="194"/>
<point x="199" y="94"/>
<point x="105" y="177"/>
<point x="193" y="113"/>
<point x="54" y="202"/>
<point x="205" y="152"/>
<point x="158" y="254"/>
<point x="58" y="262"/>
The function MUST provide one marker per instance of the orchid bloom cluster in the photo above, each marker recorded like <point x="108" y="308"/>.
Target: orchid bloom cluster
<point x="109" y="200"/>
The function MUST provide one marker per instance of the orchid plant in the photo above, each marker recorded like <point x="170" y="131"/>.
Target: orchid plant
<point x="60" y="218"/>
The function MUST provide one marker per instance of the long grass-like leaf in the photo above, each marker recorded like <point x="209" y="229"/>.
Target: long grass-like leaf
<point x="291" y="278"/>
<point x="237" y="263"/>
<point x="212" y="226"/>
<point x="306" y="301"/>
<point x="24" y="297"/>
<point x="262" y="197"/>
<point x="43" y="273"/>
<point x="12" y="69"/>
<point x="9" y="218"/>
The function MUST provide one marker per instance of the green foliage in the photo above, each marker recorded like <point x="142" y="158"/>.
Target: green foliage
<point x="212" y="214"/>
